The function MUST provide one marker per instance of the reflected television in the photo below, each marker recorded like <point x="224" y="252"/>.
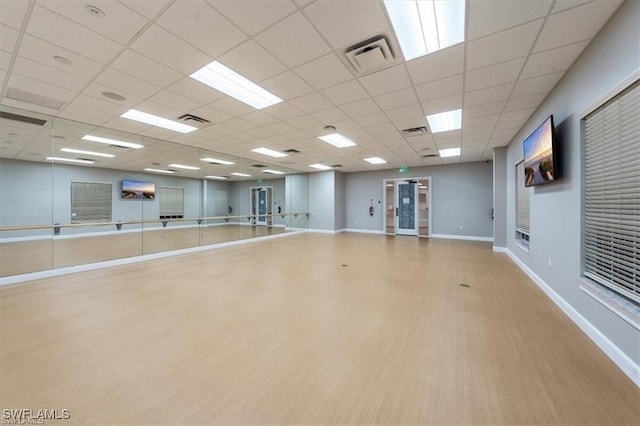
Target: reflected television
<point x="541" y="155"/>
<point x="137" y="190"/>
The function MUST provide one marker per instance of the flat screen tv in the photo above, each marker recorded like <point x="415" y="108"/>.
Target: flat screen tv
<point x="541" y="155"/>
<point x="133" y="189"/>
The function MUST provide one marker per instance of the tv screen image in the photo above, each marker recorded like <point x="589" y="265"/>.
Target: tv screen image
<point x="132" y="189"/>
<point x="540" y="162"/>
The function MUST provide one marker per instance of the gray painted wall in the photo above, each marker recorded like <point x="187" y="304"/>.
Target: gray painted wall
<point x="322" y="200"/>
<point x="462" y="195"/>
<point x="339" y="201"/>
<point x="500" y="197"/>
<point x="555" y="209"/>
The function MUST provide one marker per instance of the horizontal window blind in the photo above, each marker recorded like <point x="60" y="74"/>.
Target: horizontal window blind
<point x="171" y="202"/>
<point x="90" y="202"/>
<point x="612" y="193"/>
<point x="522" y="201"/>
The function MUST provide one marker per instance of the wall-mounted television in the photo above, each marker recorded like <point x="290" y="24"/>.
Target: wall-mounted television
<point x="541" y="155"/>
<point x="133" y="189"/>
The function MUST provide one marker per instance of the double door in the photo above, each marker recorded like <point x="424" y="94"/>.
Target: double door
<point x="261" y="206"/>
<point x="407" y="205"/>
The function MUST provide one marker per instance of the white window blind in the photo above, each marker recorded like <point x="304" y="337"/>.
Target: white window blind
<point x="171" y="202"/>
<point x="612" y="193"/>
<point x="522" y="201"/>
<point x="90" y="202"/>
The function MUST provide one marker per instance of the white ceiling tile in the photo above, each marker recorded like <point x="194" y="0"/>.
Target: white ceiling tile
<point x="360" y="108"/>
<point x="48" y="26"/>
<point x="239" y="124"/>
<point x="347" y="22"/>
<point x="519" y="115"/>
<point x="324" y="72"/>
<point x="253" y="62"/>
<point x="159" y="44"/>
<point x="293" y="41"/>
<point x="437" y="65"/>
<point x="212" y="114"/>
<point x="30" y="85"/>
<point x="304" y="122"/>
<point x="311" y="103"/>
<point x="330" y="115"/>
<point x="303" y="3"/>
<point x="371" y="119"/>
<point x="553" y="60"/>
<point x="146" y="8"/>
<point x="92" y="98"/>
<point x="567" y="4"/>
<point x="487" y="120"/>
<point x="281" y="127"/>
<point x="176" y="101"/>
<point x="159" y="109"/>
<point x="382" y="128"/>
<point x="283" y="111"/>
<point x="410" y="124"/>
<point x="494" y="75"/>
<point x="8" y="38"/>
<point x="536" y="85"/>
<point x="441" y="105"/>
<point x="488" y="95"/>
<point x="478" y="131"/>
<point x="12" y="12"/>
<point x="84" y="114"/>
<point x="5" y="60"/>
<point x="508" y="125"/>
<point x="232" y="106"/>
<point x="404" y="113"/>
<point x="204" y="28"/>
<point x="384" y="81"/>
<point x="573" y="25"/>
<point x="48" y="74"/>
<point x="488" y="17"/>
<point x="43" y="52"/>
<point x="525" y="102"/>
<point x="399" y="98"/>
<point x="254" y="16"/>
<point x="137" y="65"/>
<point x="483" y="109"/>
<point x="126" y="83"/>
<point x="259" y="118"/>
<point x="513" y="43"/>
<point x="119" y="23"/>
<point x="287" y="86"/>
<point x="450" y="86"/>
<point x="196" y="91"/>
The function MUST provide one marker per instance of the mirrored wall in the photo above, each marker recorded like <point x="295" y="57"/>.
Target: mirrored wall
<point x="73" y="194"/>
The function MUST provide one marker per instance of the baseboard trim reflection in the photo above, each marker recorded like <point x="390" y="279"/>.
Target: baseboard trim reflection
<point x="462" y="237"/>
<point x="15" y="279"/>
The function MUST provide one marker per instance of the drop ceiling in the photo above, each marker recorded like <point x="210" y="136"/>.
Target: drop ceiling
<point x="513" y="55"/>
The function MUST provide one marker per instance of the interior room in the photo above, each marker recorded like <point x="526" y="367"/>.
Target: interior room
<point x="320" y="212"/>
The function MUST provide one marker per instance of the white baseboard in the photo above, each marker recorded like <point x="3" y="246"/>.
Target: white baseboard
<point x="364" y="231"/>
<point x="622" y="360"/>
<point x="126" y="261"/>
<point x="500" y="249"/>
<point x="326" y="231"/>
<point x="462" y="237"/>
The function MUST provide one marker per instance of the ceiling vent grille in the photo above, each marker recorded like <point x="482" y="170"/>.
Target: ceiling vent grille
<point x="33" y="98"/>
<point x="22" y="118"/>
<point x="415" y="131"/>
<point x="258" y="166"/>
<point x="291" y="151"/>
<point x="430" y="156"/>
<point x="371" y="55"/>
<point x="336" y="165"/>
<point x="191" y="117"/>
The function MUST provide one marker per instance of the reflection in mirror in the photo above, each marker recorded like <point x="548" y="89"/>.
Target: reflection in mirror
<point x="423" y="207"/>
<point x="390" y="210"/>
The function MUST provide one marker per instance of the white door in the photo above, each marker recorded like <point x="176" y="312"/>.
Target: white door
<point x="407" y="208"/>
<point x="261" y="201"/>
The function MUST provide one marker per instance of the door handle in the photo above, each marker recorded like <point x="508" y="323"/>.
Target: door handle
<point x="396" y="212"/>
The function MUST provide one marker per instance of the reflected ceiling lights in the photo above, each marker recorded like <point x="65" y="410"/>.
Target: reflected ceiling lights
<point x="231" y="83"/>
<point x="216" y="161"/>
<point x="215" y="177"/>
<point x="180" y="166"/>
<point x="375" y="160"/>
<point x="240" y="174"/>
<point x="320" y="166"/>
<point x="426" y="26"/>
<point x="71" y="160"/>
<point x="269" y="152"/>
<point x="445" y="121"/>
<point x="273" y="172"/>
<point x="112" y="142"/>
<point x="159" y="171"/>
<point x="80" y="151"/>
<point x="450" y="152"/>
<point x="154" y="120"/>
<point x="337" y="140"/>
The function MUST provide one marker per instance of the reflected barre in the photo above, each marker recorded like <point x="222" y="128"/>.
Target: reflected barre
<point x="119" y="224"/>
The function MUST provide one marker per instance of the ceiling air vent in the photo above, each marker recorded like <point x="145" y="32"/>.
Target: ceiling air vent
<point x="258" y="166"/>
<point x="22" y="118"/>
<point x="191" y="117"/>
<point x="430" y="156"/>
<point x="415" y="131"/>
<point x="291" y="151"/>
<point x="335" y="165"/>
<point x="33" y="98"/>
<point x="371" y="55"/>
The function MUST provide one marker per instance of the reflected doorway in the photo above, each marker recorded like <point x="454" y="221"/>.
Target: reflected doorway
<point x="407" y="206"/>
<point x="261" y="211"/>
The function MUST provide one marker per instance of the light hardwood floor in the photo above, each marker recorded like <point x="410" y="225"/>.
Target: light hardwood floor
<point x="307" y="329"/>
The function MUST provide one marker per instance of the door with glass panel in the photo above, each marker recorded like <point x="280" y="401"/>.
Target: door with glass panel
<point x="407" y="208"/>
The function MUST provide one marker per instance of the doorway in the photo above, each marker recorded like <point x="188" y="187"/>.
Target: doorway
<point x="261" y="211"/>
<point x="407" y="206"/>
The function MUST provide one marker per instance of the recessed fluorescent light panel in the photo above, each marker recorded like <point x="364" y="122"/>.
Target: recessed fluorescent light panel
<point x="269" y="152"/>
<point x="451" y="152"/>
<point x="215" y="177"/>
<point x="375" y="160"/>
<point x="233" y="84"/>
<point x="70" y="160"/>
<point x="273" y="172"/>
<point x="337" y="140"/>
<point x="159" y="171"/>
<point x="180" y="166"/>
<point x="115" y="142"/>
<point x="154" y="120"/>
<point x="426" y="26"/>
<point x="240" y="174"/>
<point x="215" y="160"/>
<point x="80" y="151"/>
<point x="445" y="121"/>
<point x="320" y="166"/>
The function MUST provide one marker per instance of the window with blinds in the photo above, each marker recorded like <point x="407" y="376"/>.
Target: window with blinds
<point x="171" y="202"/>
<point x="612" y="193"/>
<point x="523" y="195"/>
<point x="90" y="202"/>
